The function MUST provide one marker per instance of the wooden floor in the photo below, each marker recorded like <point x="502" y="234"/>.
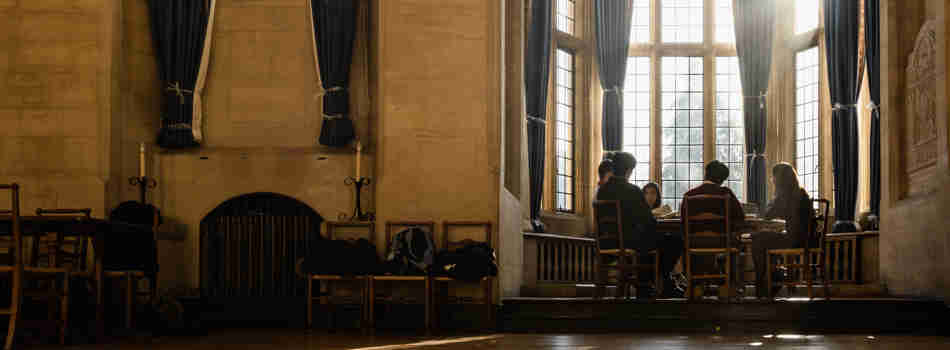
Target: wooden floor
<point x="296" y="339"/>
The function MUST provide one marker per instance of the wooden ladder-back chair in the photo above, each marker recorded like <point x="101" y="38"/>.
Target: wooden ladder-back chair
<point x="810" y="258"/>
<point x="54" y="293"/>
<point x="131" y="278"/>
<point x="429" y="227"/>
<point x="58" y="248"/>
<point x="327" y="297"/>
<point x="486" y="282"/>
<point x="715" y="226"/>
<point x="609" y="218"/>
<point x="14" y="263"/>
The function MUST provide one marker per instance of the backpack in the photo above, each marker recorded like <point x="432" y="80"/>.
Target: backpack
<point x="411" y="252"/>
<point x="471" y="263"/>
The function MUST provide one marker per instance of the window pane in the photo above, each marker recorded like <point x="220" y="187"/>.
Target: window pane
<point x="682" y="127"/>
<point x="682" y="21"/>
<point x="730" y="133"/>
<point x="806" y="119"/>
<point x="725" y="30"/>
<point x="564" y="136"/>
<point x="640" y="23"/>
<point x="565" y="16"/>
<point x="636" y="116"/>
<point x="806" y="15"/>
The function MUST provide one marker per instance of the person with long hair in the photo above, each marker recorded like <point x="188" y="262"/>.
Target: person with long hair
<point x="651" y="191"/>
<point x="792" y="204"/>
<point x="639" y="224"/>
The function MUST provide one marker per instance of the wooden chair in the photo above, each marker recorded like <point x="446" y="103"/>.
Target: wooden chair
<point x="486" y="282"/>
<point x="609" y="219"/>
<point x="131" y="277"/>
<point x="429" y="226"/>
<point x="807" y="260"/>
<point x="14" y="265"/>
<point x="708" y="222"/>
<point x="59" y="250"/>
<point x="326" y="297"/>
<point x="27" y="281"/>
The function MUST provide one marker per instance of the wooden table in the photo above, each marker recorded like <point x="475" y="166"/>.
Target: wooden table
<point x="750" y="225"/>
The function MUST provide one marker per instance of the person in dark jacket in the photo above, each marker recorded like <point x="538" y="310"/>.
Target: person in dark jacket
<point x="639" y="225"/>
<point x="792" y="204"/>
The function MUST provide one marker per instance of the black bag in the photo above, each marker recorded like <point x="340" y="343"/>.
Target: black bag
<point x="411" y="252"/>
<point x="472" y="262"/>
<point x="342" y="257"/>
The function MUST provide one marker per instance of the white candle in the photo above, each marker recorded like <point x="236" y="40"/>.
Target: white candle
<point x="142" y="159"/>
<point x="359" y="149"/>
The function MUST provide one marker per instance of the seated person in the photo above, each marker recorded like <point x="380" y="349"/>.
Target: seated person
<point x="651" y="191"/>
<point x="792" y="204"/>
<point x="716" y="174"/>
<point x="605" y="170"/>
<point x="639" y="225"/>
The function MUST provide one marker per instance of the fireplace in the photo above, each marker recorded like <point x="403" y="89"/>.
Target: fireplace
<point x="250" y="244"/>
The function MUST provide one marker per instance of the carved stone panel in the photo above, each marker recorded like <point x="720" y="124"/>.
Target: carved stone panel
<point x="921" y="111"/>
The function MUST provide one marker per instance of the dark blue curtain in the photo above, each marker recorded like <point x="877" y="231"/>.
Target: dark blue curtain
<point x="872" y="43"/>
<point x="755" y="26"/>
<point x="334" y="26"/>
<point x="612" y="29"/>
<point x="537" y="60"/>
<point x="178" y="33"/>
<point x="841" y="43"/>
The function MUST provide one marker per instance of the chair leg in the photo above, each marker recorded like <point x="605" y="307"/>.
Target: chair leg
<point x="768" y="275"/>
<point x="64" y="311"/>
<point x="728" y="283"/>
<point x="15" y="302"/>
<point x="428" y="305"/>
<point x="309" y="301"/>
<point x="489" y="302"/>
<point x="809" y="277"/>
<point x="129" y="299"/>
<point x="688" y="271"/>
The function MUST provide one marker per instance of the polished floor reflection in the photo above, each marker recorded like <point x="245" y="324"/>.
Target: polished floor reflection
<point x="295" y="339"/>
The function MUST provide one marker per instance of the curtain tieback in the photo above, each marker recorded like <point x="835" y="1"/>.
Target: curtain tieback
<point x="619" y="91"/>
<point x="755" y="155"/>
<point x="176" y="88"/>
<point x="838" y="106"/>
<point x="332" y="116"/>
<point x="179" y="126"/>
<point x="331" y="89"/>
<point x="761" y="98"/>
<point x="872" y="106"/>
<point x="536" y="119"/>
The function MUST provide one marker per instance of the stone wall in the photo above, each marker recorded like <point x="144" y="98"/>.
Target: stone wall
<point x="262" y="119"/>
<point x="439" y="108"/>
<point x="915" y="240"/>
<point x="58" y="99"/>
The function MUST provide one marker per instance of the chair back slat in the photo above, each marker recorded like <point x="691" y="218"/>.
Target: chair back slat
<point x="609" y="221"/>
<point x="710" y="221"/>
<point x="15" y="251"/>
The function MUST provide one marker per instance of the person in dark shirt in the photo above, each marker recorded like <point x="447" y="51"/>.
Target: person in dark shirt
<point x="716" y="174"/>
<point x="639" y="225"/>
<point x="792" y="204"/>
